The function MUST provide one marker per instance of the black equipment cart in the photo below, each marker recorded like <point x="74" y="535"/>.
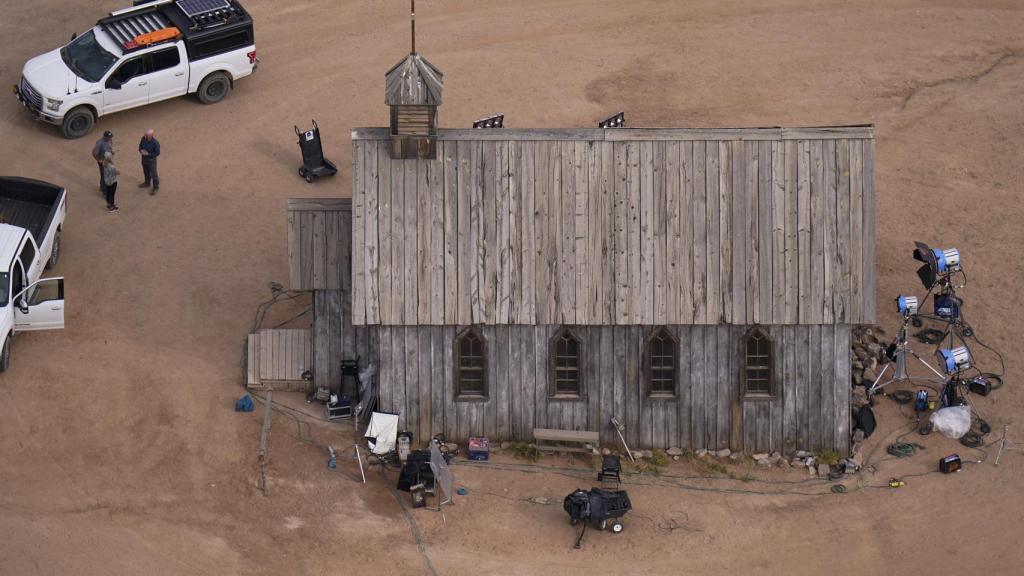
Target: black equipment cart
<point x="601" y="507"/>
<point x="314" y="165"/>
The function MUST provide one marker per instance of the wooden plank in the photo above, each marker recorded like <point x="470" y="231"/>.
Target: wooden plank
<point x="804" y="247"/>
<point x="778" y="224"/>
<point x="386" y="250"/>
<point x="528" y="306"/>
<point x="632" y="384"/>
<point x="528" y="371"/>
<point x="252" y="359"/>
<point x="707" y="262"/>
<point x="464" y="238"/>
<point x="646" y="247"/>
<point x="623" y="303"/>
<point x="826" y="406"/>
<point x="372" y="237"/>
<point x="424" y="226"/>
<point x="830" y="233"/>
<point x="358" y="237"/>
<point x="699" y="381"/>
<point x="606" y="407"/>
<point x="398" y="242"/>
<point x="765" y="236"/>
<point x="320" y="204"/>
<point x="620" y="333"/>
<point x="500" y="399"/>
<point x="294" y="267"/>
<point x="713" y="374"/>
<point x="489" y="255"/>
<point x="792" y="272"/>
<point x="437" y="380"/>
<point x="674" y="252"/>
<point x="803" y="364"/>
<point x="436" y="253"/>
<point x="725" y="233"/>
<point x="659" y="234"/>
<point x="477" y="254"/>
<point x="544" y="298"/>
<point x="565" y="187"/>
<point x="448" y="152"/>
<point x="868" y="198"/>
<point x="451" y="410"/>
<point x="634" y="246"/>
<point x="740" y="230"/>
<point x="752" y="290"/>
<point x="594" y="283"/>
<point x="608" y="182"/>
<point x="683" y="430"/>
<point x="683" y="251"/>
<point x="541" y="334"/>
<point x="726" y="384"/>
<point x="842" y="286"/>
<point x="694" y="257"/>
<point x="580" y="233"/>
<point x="386" y="370"/>
<point x="502" y="252"/>
<point x="841" y="439"/>
<point x="410" y="274"/>
<point x="817" y="247"/>
<point x="815" y="382"/>
<point x="618" y="134"/>
<point x="423" y="385"/>
<point x="857" y="287"/>
<point x="399" y="359"/>
<point x="788" y="386"/>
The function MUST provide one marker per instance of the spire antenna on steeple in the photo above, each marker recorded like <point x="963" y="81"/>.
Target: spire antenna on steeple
<point x="412" y="20"/>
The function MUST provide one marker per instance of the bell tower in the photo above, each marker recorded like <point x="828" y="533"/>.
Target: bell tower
<point x="412" y="90"/>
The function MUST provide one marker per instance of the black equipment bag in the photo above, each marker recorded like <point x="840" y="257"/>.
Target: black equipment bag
<point x="312" y="148"/>
<point x="577" y="505"/>
<point x="606" y="504"/>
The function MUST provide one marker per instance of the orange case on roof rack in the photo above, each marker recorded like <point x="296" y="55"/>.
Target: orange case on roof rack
<point x="153" y="37"/>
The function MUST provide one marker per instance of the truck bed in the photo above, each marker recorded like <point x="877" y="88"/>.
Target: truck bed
<point x="29" y="204"/>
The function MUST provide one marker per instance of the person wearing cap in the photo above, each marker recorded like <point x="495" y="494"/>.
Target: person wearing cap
<point x="149" y="149"/>
<point x="110" y="173"/>
<point x="103" y="145"/>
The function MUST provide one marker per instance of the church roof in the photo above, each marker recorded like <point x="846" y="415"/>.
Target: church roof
<point x="413" y="81"/>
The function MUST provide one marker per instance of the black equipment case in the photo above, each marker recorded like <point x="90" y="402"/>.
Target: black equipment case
<point x="314" y="165"/>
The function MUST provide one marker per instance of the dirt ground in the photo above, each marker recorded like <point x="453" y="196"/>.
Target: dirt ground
<point x="119" y="449"/>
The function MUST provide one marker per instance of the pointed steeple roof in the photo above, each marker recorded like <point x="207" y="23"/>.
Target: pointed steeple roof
<point x="413" y="81"/>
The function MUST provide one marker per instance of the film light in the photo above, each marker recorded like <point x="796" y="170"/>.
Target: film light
<point x="907" y="305"/>
<point x="946" y="260"/>
<point x="614" y="121"/>
<point x="955" y="359"/>
<point x="937" y="262"/>
<point x="496" y="121"/>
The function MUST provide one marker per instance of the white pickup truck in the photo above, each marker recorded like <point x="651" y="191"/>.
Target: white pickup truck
<point x="151" y="52"/>
<point x="31" y="218"/>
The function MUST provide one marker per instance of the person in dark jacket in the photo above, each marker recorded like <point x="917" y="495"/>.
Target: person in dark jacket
<point x="149" y="149"/>
<point x="110" y="173"/>
<point x="100" y="149"/>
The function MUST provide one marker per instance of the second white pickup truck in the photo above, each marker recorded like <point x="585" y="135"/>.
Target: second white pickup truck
<point x="31" y="218"/>
<point x="147" y="53"/>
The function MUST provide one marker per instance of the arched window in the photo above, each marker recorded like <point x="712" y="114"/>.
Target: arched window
<point x="470" y="365"/>
<point x="566" y="352"/>
<point x="662" y="363"/>
<point x="758" y="361"/>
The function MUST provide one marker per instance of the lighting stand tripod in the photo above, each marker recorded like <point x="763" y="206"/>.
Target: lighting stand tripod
<point x="1004" y="448"/>
<point x="899" y="364"/>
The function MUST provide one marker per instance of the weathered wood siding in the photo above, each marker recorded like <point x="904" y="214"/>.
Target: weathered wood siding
<point x="276" y="358"/>
<point x="335" y="338"/>
<point x="320" y="235"/>
<point x="810" y="408"/>
<point x="615" y="227"/>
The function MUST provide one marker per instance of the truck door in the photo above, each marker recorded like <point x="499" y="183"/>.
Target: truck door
<point x="127" y="86"/>
<point x="168" y="77"/>
<point x="29" y="262"/>
<point x="40" y="306"/>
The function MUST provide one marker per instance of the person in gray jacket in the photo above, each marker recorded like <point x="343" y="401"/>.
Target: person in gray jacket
<point x="110" y="173"/>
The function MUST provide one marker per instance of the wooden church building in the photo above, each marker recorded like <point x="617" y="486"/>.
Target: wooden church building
<point x="698" y="285"/>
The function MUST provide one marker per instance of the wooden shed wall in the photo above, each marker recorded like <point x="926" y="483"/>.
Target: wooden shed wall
<point x="319" y="243"/>
<point x="597" y="227"/>
<point x="335" y="338"/>
<point x="811" y="408"/>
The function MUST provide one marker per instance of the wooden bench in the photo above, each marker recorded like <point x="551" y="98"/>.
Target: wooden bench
<point x="545" y="439"/>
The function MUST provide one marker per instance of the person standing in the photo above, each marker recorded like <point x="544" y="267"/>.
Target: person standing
<point x="110" y="173"/>
<point x="149" y="149"/>
<point x="99" y="150"/>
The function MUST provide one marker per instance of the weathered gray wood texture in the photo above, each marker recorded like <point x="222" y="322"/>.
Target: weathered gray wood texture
<point x="277" y="358"/>
<point x="810" y="409"/>
<point x="615" y="227"/>
<point x="335" y="339"/>
<point x="320" y="243"/>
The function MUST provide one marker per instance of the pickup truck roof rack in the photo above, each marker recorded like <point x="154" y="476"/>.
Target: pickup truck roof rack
<point x="192" y="17"/>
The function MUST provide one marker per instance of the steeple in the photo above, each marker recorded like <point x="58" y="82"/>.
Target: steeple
<point x="412" y="89"/>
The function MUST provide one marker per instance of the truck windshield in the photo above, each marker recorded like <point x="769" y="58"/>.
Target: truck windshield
<point x="5" y="286"/>
<point x="87" y="58"/>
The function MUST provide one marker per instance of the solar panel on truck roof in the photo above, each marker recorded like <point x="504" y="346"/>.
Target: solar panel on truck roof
<point x="193" y="8"/>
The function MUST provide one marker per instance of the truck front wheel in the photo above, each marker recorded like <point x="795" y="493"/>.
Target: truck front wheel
<point x="214" y="88"/>
<point x="77" y="123"/>
<point x="54" y="252"/>
<point x="5" y="355"/>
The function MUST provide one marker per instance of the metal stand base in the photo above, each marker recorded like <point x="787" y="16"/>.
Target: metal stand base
<point x="899" y="366"/>
<point x="1004" y="448"/>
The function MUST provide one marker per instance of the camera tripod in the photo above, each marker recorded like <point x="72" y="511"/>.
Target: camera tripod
<point x="899" y="364"/>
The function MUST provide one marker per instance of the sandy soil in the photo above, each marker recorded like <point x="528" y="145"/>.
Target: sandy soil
<point x="121" y="455"/>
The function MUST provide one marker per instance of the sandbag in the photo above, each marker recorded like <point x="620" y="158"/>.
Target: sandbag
<point x="952" y="421"/>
